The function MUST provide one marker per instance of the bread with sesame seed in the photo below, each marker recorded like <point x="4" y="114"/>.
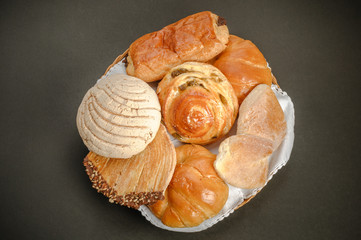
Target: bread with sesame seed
<point x="141" y="179"/>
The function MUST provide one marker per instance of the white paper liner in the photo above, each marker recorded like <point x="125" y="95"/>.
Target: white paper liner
<point x="236" y="196"/>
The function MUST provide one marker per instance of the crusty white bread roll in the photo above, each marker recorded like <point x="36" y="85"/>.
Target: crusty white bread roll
<point x="119" y="116"/>
<point x="198" y="37"/>
<point x="261" y="114"/>
<point x="242" y="161"/>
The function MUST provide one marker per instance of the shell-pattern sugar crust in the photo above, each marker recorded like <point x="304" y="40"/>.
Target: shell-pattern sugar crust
<point x="119" y="116"/>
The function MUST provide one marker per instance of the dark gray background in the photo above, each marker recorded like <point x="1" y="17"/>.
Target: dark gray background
<point x="53" y="52"/>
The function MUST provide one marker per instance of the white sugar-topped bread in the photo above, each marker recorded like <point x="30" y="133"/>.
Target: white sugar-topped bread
<point x="119" y="116"/>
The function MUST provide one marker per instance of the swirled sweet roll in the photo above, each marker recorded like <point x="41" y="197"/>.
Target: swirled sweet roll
<point x="198" y="103"/>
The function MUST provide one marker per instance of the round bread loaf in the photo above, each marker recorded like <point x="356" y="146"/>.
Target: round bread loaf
<point x="195" y="193"/>
<point x="119" y="116"/>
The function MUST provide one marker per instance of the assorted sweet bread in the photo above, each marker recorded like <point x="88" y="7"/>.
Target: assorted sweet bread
<point x="195" y="193"/>
<point x="206" y="79"/>
<point x="198" y="103"/>
<point x="244" y="66"/>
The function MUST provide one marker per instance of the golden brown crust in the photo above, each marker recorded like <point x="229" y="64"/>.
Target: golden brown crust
<point x="196" y="193"/>
<point x="198" y="37"/>
<point x="198" y="103"/>
<point x="244" y="66"/>
<point x="138" y="180"/>
<point x="261" y="114"/>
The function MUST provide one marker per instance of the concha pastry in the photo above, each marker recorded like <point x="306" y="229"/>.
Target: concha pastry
<point x="244" y="66"/>
<point x="141" y="179"/>
<point x="198" y="103"/>
<point x="198" y="37"/>
<point x="119" y="116"/>
<point x="195" y="193"/>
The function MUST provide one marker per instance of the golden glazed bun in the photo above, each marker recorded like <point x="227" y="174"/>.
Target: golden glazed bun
<point x="242" y="161"/>
<point x="119" y="116"/>
<point x="261" y="114"/>
<point x="244" y="66"/>
<point x="195" y="193"/>
<point x="141" y="179"/>
<point x="198" y="103"/>
<point x="199" y="37"/>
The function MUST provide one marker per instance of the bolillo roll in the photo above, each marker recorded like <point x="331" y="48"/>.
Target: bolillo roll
<point x="243" y="159"/>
